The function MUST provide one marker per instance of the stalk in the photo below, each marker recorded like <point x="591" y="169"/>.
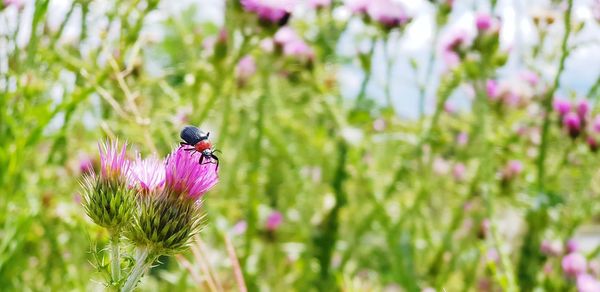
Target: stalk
<point x="141" y="265"/>
<point x="115" y="258"/>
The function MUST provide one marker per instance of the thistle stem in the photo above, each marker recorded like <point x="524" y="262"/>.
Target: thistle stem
<point x="115" y="258"/>
<point x="141" y="265"/>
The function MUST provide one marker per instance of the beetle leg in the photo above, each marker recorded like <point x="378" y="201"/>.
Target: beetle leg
<point x="201" y="159"/>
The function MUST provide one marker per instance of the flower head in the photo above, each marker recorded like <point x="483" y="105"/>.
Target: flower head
<point x="148" y="174"/>
<point x="587" y="283"/>
<point x="572" y="122"/>
<point x="246" y="67"/>
<point x="318" y="4"/>
<point x="388" y="13"/>
<point x="357" y="6"/>
<point x="483" y="21"/>
<point x="561" y="106"/>
<point x="492" y="89"/>
<point x="86" y="164"/>
<point x="574" y="264"/>
<point x="583" y="107"/>
<point x="274" y="220"/>
<point x="113" y="162"/>
<point x="185" y="177"/>
<point x="551" y="247"/>
<point x="273" y="11"/>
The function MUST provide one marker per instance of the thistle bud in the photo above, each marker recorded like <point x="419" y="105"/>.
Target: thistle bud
<point x="107" y="198"/>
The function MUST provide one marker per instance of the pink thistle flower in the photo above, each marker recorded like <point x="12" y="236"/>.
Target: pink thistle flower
<point x="19" y="4"/>
<point x="492" y="89"/>
<point x="596" y="124"/>
<point x="299" y="49"/>
<point x="459" y="171"/>
<point x="551" y="248"/>
<point x="530" y="77"/>
<point x="246" y="67"/>
<point x="574" y="264"/>
<point x="285" y="35"/>
<point x="86" y="164"/>
<point x="583" y="108"/>
<point x="512" y="169"/>
<point x="273" y="11"/>
<point x="388" y="13"/>
<point x="148" y="174"/>
<point x="240" y="227"/>
<point x="462" y="139"/>
<point x="572" y="123"/>
<point x="318" y="4"/>
<point x="274" y="221"/>
<point x="572" y="246"/>
<point x="561" y="106"/>
<point x="483" y="21"/>
<point x="592" y="144"/>
<point x="186" y="177"/>
<point x="113" y="162"/>
<point x="357" y="6"/>
<point x="587" y="283"/>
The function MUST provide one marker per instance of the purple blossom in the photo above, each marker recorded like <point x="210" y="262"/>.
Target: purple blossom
<point x="462" y="139"/>
<point x="492" y="89"/>
<point x="357" y="6"/>
<point x="113" y="162"/>
<point x="572" y="246"/>
<point x="86" y="164"/>
<point x="185" y="176"/>
<point x="269" y="10"/>
<point x="148" y="174"/>
<point x="583" y="108"/>
<point x="561" y="106"/>
<point x="587" y="283"/>
<point x="459" y="171"/>
<point x="299" y="49"/>
<point x="530" y="77"/>
<point x="551" y="247"/>
<point x="19" y="4"/>
<point x="512" y="169"/>
<point x="596" y="124"/>
<point x="572" y="123"/>
<point x="318" y="4"/>
<point x="285" y="35"/>
<point x="246" y="67"/>
<point x="274" y="221"/>
<point x="483" y="21"/>
<point x="453" y="47"/>
<point x="387" y="12"/>
<point x="240" y="227"/>
<point x="574" y="264"/>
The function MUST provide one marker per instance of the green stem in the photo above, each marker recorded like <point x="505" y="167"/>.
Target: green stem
<point x="115" y="257"/>
<point x="547" y="103"/>
<point x="141" y="265"/>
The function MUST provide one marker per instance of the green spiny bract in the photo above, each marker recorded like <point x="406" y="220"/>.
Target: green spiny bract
<point x="109" y="203"/>
<point x="165" y="223"/>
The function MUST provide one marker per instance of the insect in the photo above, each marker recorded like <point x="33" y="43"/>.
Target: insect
<point x="198" y="139"/>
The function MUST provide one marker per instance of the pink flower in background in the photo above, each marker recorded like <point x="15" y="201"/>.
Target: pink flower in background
<point x="462" y="139"/>
<point x="596" y="124"/>
<point x="299" y="49"/>
<point x="186" y="177"/>
<point x="274" y="221"/>
<point x="572" y="123"/>
<point x="441" y="166"/>
<point x="574" y="264"/>
<point x="512" y="169"/>
<point x="19" y="4"/>
<point x="148" y="174"/>
<point x="453" y="47"/>
<point x="245" y="69"/>
<point x="572" y="246"/>
<point x="583" y="108"/>
<point x="587" y="283"/>
<point x="492" y="89"/>
<point x="592" y="143"/>
<point x="561" y="106"/>
<point x="530" y="77"/>
<point x="551" y="247"/>
<point x="113" y="162"/>
<point x="357" y="6"/>
<point x="86" y="164"/>
<point x="269" y="10"/>
<point x="459" y="171"/>
<point x="387" y="12"/>
<point x="483" y="21"/>
<point x="240" y="227"/>
<point x="317" y="4"/>
<point x="285" y="35"/>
